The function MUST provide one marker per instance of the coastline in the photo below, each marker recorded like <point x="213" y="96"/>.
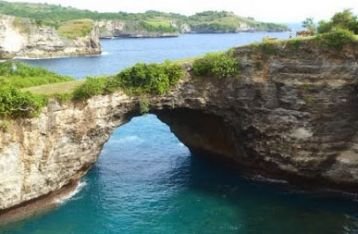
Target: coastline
<point x="54" y="57"/>
<point x="146" y="36"/>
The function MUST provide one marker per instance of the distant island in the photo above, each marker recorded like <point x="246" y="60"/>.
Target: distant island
<point x="150" y="23"/>
<point x="34" y="30"/>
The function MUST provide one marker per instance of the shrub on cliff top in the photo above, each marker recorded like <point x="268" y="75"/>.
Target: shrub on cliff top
<point x="91" y="87"/>
<point x="139" y="79"/>
<point x="220" y="65"/>
<point x="150" y="78"/>
<point x="15" y="104"/>
<point x="345" y="20"/>
<point x="336" y="39"/>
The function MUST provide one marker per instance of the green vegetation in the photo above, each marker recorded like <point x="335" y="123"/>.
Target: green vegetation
<point x="337" y="32"/>
<point x="219" y="65"/>
<point x="75" y="28"/>
<point x="15" y="103"/>
<point x="144" y="105"/>
<point x="20" y="75"/>
<point x="211" y="21"/>
<point x="158" y="25"/>
<point x="140" y="79"/>
<point x="336" y="38"/>
<point x="341" y="20"/>
<point x="309" y="25"/>
<point x="56" y="89"/>
<point x="91" y="87"/>
<point x="267" y="46"/>
<point x="152" y="21"/>
<point x="294" y="43"/>
<point x="222" y="21"/>
<point x="149" y="78"/>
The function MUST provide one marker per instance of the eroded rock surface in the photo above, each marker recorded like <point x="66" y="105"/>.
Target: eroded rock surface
<point x="23" y="38"/>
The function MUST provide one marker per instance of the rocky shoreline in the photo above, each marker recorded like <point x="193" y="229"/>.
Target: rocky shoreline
<point x="140" y="36"/>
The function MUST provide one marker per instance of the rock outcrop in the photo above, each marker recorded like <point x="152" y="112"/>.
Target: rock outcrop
<point x="20" y="37"/>
<point x="291" y="114"/>
<point x="117" y="28"/>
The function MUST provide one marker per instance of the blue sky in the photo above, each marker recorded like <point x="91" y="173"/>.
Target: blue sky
<point x="266" y="10"/>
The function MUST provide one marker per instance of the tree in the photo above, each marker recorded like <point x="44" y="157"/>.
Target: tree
<point x="309" y="25"/>
<point x="344" y="20"/>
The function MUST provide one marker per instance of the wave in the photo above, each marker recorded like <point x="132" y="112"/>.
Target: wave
<point x="70" y="195"/>
<point x="261" y="178"/>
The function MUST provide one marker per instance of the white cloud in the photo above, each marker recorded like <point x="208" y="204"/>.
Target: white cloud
<point x="267" y="10"/>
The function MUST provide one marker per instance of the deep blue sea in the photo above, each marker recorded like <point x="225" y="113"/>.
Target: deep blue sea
<point x="146" y="181"/>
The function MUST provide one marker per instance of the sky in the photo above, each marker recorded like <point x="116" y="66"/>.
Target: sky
<point x="265" y="10"/>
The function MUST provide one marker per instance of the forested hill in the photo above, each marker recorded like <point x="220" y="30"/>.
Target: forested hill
<point x="151" y="21"/>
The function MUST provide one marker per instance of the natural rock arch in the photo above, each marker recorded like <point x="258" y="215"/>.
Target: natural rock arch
<point x="293" y="116"/>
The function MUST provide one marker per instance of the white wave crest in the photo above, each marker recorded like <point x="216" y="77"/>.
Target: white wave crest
<point x="261" y="178"/>
<point x="70" y="195"/>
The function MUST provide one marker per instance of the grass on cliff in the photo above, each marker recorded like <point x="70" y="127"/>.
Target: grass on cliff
<point x="158" y="25"/>
<point x="52" y="90"/>
<point x="20" y="75"/>
<point x="15" y="102"/>
<point x="75" y="28"/>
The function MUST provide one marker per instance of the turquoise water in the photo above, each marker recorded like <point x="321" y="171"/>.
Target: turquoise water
<point x="146" y="181"/>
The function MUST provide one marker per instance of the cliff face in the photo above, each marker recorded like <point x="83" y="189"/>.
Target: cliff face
<point x="119" y="28"/>
<point x="124" y="29"/>
<point x="290" y="115"/>
<point x="23" y="38"/>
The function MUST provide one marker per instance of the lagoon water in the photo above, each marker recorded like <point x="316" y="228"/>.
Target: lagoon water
<point x="146" y="181"/>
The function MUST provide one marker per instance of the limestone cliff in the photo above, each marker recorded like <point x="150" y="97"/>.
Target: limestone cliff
<point x="20" y="37"/>
<point x="119" y="28"/>
<point x="291" y="114"/>
<point x="125" y="29"/>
